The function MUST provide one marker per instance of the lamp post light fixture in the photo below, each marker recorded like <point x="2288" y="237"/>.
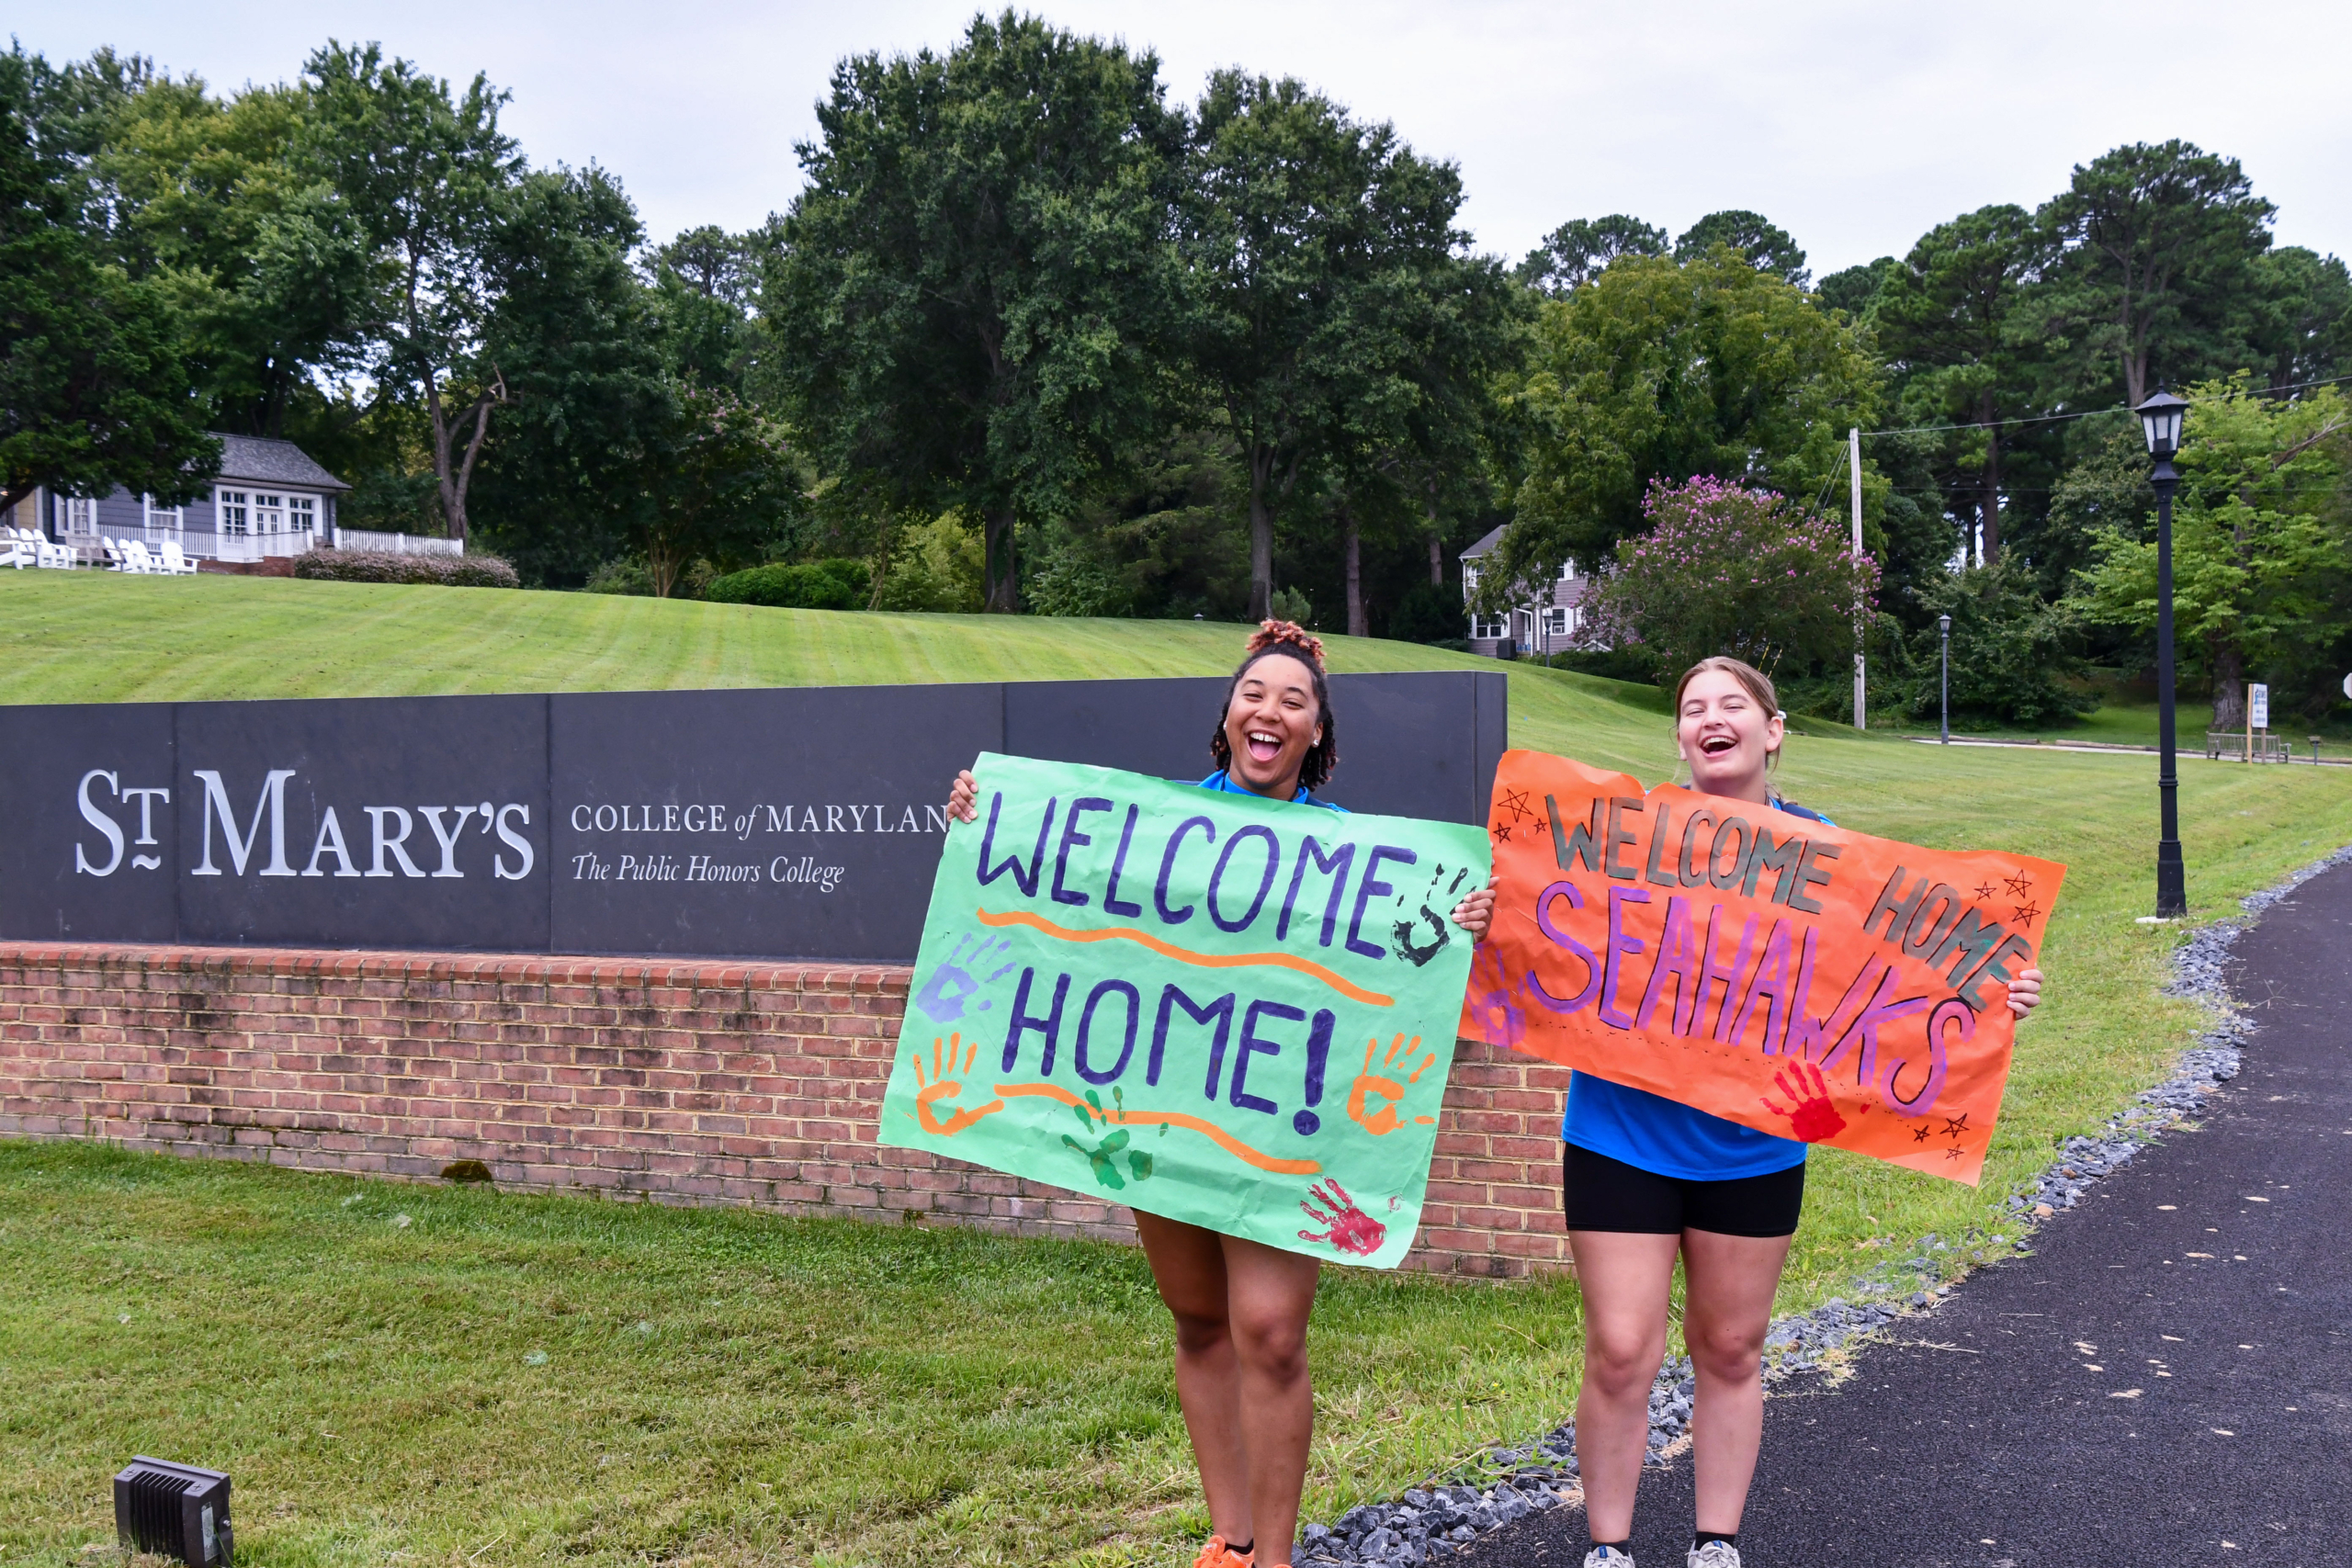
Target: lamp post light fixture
<point x="2160" y="421"/>
<point x="1943" y="625"/>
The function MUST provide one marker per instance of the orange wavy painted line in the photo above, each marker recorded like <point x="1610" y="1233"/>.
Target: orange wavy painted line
<point x="1224" y="1139"/>
<point x="1346" y="987"/>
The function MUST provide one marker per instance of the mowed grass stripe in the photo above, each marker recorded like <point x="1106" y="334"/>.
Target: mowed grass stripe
<point x="824" y="1393"/>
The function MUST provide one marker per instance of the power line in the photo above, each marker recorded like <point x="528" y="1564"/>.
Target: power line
<point x="2087" y="413"/>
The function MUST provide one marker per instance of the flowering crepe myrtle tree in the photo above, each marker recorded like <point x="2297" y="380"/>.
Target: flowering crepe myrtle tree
<point x="1723" y="569"/>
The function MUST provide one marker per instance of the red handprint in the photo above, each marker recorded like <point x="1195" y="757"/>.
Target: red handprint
<point x="1348" y="1228"/>
<point x="1812" y="1118"/>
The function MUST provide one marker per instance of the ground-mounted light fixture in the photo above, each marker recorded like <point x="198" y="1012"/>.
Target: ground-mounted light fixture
<point x="175" y="1510"/>
<point x="2160" y="421"/>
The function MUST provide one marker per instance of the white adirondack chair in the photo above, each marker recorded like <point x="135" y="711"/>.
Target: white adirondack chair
<point x="140" y="561"/>
<point x="115" y="559"/>
<point x="58" y="557"/>
<point x="15" y="552"/>
<point x="174" y="562"/>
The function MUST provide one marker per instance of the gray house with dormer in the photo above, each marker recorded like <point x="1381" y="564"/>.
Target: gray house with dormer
<point x="1544" y="619"/>
<point x="269" y="499"/>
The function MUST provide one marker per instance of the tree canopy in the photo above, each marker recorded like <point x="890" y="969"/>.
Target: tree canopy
<point x="1667" y="369"/>
<point x="980" y="270"/>
<point x="1034" y="337"/>
<point x="94" y="392"/>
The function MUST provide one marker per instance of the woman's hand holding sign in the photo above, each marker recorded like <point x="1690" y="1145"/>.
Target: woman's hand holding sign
<point x="2025" y="991"/>
<point x="1477" y="911"/>
<point x="963" y="797"/>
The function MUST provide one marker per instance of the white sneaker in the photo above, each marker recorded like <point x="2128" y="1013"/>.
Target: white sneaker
<point x="1714" y="1554"/>
<point x="1607" y="1557"/>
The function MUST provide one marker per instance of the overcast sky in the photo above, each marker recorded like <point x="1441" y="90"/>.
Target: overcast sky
<point x="1854" y="126"/>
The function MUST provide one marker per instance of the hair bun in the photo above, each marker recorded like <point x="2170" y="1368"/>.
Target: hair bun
<point x="1270" y="634"/>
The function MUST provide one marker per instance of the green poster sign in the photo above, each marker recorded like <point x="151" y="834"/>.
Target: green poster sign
<point x="1232" y="1011"/>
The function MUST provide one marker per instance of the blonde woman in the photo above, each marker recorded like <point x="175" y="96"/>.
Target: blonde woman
<point x="1648" y="1180"/>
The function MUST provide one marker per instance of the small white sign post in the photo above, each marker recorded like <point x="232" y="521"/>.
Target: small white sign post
<point x="2257" y="714"/>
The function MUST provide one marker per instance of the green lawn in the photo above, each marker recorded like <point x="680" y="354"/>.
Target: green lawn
<point x="731" y="1388"/>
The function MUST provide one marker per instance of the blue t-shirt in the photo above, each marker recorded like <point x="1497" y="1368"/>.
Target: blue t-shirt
<point x="1218" y="781"/>
<point x="1666" y="1136"/>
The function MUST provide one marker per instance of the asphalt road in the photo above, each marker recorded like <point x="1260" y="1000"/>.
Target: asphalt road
<point x="2167" y="1380"/>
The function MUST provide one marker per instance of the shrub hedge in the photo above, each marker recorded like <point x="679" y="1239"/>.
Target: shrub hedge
<point x="384" y="566"/>
<point x="809" y="585"/>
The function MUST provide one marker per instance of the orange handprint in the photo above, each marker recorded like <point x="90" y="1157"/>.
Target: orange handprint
<point x="943" y="1087"/>
<point x="1369" y="1084"/>
<point x="1811" y="1118"/>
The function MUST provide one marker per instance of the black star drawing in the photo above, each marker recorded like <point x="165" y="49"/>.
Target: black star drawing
<point x="2018" y="884"/>
<point x="1502" y="833"/>
<point x="1953" y="1154"/>
<point x="1919" y="1134"/>
<point x="1515" y="802"/>
<point x="1983" y="890"/>
<point x="1955" y="1127"/>
<point x="2026" y="913"/>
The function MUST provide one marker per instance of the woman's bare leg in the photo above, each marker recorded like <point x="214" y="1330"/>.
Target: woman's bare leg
<point x="1728" y="1282"/>
<point x="1270" y="1294"/>
<point x="1188" y="1265"/>
<point x="1627" y="1278"/>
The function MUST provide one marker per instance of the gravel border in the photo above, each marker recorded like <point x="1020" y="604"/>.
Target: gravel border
<point x="1508" y="1483"/>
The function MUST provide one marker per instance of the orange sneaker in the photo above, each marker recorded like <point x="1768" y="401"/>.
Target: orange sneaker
<point x="1216" y="1555"/>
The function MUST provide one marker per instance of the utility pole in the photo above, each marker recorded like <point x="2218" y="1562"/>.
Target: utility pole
<point x="1854" y="462"/>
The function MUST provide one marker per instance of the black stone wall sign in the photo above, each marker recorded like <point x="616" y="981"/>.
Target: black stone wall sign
<point x="793" y="822"/>
<point x="89" y="842"/>
<point x="800" y="822"/>
<point x="395" y="822"/>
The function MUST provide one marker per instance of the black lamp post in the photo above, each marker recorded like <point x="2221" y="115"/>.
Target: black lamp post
<point x="2160" y="418"/>
<point x="1943" y="625"/>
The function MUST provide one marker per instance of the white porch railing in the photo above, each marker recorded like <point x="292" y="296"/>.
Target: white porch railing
<point x="256" y="546"/>
<point x="397" y="543"/>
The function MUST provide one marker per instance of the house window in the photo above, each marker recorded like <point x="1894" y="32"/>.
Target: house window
<point x="1469" y="577"/>
<point x="80" y="516"/>
<point x="270" y="513"/>
<point x="233" y="511"/>
<point x="302" y="513"/>
<point x="160" y="516"/>
<point x="1489" y="627"/>
<point x="1556" y="623"/>
<point x="1567" y="572"/>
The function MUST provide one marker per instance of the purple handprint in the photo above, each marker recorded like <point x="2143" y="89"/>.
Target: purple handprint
<point x="943" y="996"/>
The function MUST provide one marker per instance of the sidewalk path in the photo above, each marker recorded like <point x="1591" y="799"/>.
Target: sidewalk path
<point x="2167" y="1380"/>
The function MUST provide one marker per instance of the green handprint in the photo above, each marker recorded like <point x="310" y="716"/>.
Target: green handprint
<point x="1101" y="1157"/>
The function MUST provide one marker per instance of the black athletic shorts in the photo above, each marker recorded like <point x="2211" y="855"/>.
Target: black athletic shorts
<point x="1604" y="1194"/>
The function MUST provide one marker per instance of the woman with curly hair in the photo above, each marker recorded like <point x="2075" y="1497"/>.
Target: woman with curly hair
<point x="1240" y="1306"/>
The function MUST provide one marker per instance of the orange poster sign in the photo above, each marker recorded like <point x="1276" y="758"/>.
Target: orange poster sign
<point x="1789" y="975"/>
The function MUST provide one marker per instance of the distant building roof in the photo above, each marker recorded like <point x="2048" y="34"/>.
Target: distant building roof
<point x="1479" y="550"/>
<point x="257" y="460"/>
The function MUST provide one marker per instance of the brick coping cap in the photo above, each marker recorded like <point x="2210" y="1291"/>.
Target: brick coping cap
<point x="888" y="979"/>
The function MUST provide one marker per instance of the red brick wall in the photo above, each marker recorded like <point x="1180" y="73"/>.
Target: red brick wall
<point x="689" y="1082"/>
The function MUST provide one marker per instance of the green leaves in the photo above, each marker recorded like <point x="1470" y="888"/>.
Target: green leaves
<point x="2160" y="240"/>
<point x="2260" y="581"/>
<point x="93" y="390"/>
<point x="1667" y="369"/>
<point x="979" y="281"/>
<point x="1728" y="569"/>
